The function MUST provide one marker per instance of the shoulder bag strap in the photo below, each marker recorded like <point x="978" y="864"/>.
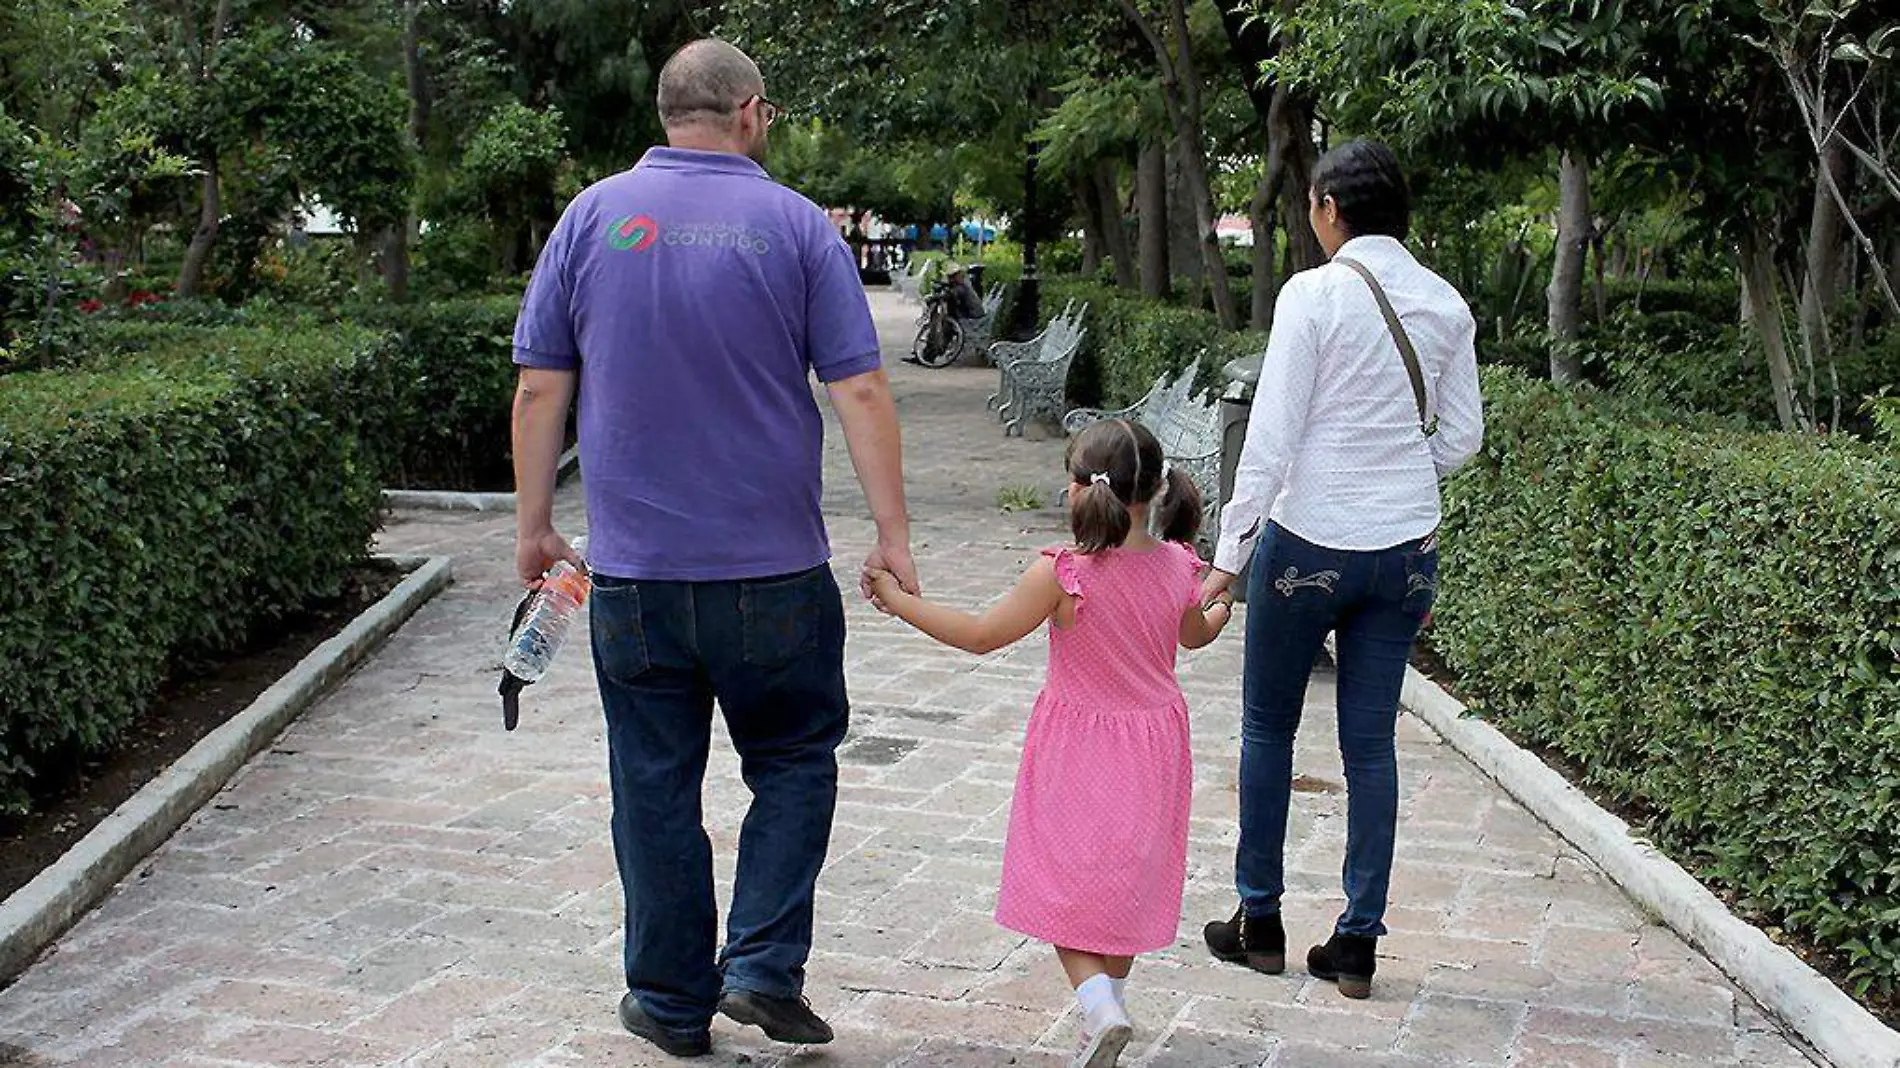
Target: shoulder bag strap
<point x="1427" y="425"/>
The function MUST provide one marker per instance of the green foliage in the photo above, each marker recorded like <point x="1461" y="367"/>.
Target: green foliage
<point x="1018" y="498"/>
<point x="449" y="368"/>
<point x="1132" y="341"/>
<point x="1559" y="70"/>
<point x="319" y="125"/>
<point x="167" y="509"/>
<point x="1703" y="622"/>
<point x="513" y="157"/>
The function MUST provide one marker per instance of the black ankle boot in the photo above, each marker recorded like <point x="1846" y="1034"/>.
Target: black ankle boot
<point x="1259" y="942"/>
<point x="1348" y="960"/>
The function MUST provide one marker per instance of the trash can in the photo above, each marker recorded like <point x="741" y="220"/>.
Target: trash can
<point x="1236" y="403"/>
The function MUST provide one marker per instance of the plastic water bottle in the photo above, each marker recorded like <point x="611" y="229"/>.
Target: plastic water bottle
<point x="564" y="590"/>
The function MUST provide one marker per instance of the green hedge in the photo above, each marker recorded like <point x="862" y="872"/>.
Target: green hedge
<point x="1707" y="624"/>
<point x="1131" y="341"/>
<point x="167" y="508"/>
<point x="450" y="363"/>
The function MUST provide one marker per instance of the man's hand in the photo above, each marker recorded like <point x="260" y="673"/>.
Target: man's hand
<point x="1216" y="584"/>
<point x="536" y="552"/>
<point x="895" y="559"/>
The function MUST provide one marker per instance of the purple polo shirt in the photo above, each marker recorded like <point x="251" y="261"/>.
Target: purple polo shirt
<point x="696" y="297"/>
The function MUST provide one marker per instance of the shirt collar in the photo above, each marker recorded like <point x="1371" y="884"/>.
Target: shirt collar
<point x="662" y="157"/>
<point x="1373" y="245"/>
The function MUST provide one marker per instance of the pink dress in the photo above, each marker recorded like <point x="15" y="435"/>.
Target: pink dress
<point x="1097" y="849"/>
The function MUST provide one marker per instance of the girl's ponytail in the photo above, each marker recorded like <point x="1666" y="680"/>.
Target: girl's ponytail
<point x="1177" y="513"/>
<point x="1097" y="515"/>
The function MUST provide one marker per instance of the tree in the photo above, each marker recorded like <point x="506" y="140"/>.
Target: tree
<point x="1285" y="118"/>
<point x="1485" y="78"/>
<point x="1181" y="88"/>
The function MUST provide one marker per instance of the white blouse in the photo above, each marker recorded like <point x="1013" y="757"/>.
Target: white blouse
<point x="1334" y="453"/>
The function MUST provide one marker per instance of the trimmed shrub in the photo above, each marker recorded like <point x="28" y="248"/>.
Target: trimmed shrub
<point x="168" y="508"/>
<point x="449" y="364"/>
<point x="1706" y="623"/>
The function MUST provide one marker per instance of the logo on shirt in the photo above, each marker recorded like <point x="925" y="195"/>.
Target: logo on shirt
<point x="636" y="232"/>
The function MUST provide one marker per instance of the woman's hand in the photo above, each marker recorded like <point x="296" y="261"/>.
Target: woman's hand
<point x="1215" y="586"/>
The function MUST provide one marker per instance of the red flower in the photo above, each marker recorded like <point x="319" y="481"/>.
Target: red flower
<point x="89" y="306"/>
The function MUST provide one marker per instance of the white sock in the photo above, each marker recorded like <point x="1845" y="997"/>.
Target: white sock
<point x="1121" y="991"/>
<point x="1096" y="995"/>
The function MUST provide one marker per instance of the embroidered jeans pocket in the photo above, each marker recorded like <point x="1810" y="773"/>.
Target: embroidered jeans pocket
<point x="1421" y="581"/>
<point x="1304" y="576"/>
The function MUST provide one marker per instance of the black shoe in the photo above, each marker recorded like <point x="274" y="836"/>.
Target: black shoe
<point x="782" y="1019"/>
<point x="1348" y="960"/>
<point x="678" y="1043"/>
<point x="1259" y="942"/>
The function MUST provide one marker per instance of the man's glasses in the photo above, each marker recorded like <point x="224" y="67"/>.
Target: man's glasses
<point x="767" y="110"/>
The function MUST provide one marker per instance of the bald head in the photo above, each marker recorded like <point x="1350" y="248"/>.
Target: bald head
<point x="706" y="82"/>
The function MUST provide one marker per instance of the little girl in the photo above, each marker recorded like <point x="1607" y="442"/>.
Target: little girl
<point x="1097" y="848"/>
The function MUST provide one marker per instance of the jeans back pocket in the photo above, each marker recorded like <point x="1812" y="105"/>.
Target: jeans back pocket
<point x="1421" y="581"/>
<point x="780" y="618"/>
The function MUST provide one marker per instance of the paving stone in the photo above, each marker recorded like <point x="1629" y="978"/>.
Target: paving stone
<point x="399" y="881"/>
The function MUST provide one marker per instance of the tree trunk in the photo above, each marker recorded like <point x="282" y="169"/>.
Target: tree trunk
<point x="191" y="273"/>
<point x="1089" y="207"/>
<point x="1029" y="290"/>
<point x="1184" y="248"/>
<point x="1114" y="230"/>
<point x="1287" y="122"/>
<point x="1181" y="89"/>
<point x="1151" y="219"/>
<point x="1827" y="242"/>
<point x="1566" y="277"/>
<point x="1763" y="291"/>
<point x="1599" y="287"/>
<point x="401" y="237"/>
<point x="1266" y="279"/>
<point x="1290" y="140"/>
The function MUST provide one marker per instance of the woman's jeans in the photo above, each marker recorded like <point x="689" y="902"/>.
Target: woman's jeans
<point x="1375" y="602"/>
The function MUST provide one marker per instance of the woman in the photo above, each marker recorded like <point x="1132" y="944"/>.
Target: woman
<point x="1338" y="485"/>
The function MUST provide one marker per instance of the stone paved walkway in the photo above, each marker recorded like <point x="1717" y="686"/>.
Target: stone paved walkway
<point x="398" y="882"/>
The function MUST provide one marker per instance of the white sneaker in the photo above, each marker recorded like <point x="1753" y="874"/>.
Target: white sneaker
<point x="1103" y="1049"/>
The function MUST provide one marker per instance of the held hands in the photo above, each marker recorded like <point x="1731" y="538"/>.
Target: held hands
<point x="884" y="588"/>
<point x="894" y="561"/>
<point x="1218" y="585"/>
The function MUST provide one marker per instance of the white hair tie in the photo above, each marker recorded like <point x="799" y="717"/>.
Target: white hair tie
<point x="1100" y="478"/>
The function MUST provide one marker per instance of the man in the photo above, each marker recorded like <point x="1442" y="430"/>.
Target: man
<point x="689" y="299"/>
<point x="958" y="297"/>
<point x="957" y="290"/>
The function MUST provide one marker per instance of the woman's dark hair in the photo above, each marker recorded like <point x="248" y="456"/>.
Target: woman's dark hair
<point x="1364" y="179"/>
<point x="1128" y="459"/>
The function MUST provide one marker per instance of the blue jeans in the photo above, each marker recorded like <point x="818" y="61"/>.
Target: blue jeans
<point x="771" y="652"/>
<point x="1375" y="602"/>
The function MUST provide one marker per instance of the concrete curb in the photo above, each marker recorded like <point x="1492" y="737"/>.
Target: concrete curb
<point x="1830" y="1021"/>
<point x="39" y="912"/>
<point x="457" y="501"/>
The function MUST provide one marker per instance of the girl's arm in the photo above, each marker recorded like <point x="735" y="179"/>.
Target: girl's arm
<point x="1200" y="626"/>
<point x="1036" y="596"/>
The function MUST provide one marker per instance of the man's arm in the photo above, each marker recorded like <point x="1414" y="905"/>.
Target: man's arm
<point x="868" y="413"/>
<point x="542" y="398"/>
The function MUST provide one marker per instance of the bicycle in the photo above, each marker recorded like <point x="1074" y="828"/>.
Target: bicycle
<point x="939" y="334"/>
